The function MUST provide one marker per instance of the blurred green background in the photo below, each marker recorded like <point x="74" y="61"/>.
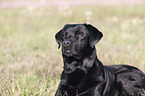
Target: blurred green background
<point x="31" y="64"/>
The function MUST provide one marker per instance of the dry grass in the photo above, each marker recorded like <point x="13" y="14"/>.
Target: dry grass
<point x="30" y="63"/>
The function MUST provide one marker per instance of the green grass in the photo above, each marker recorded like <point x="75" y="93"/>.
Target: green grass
<point x="30" y="63"/>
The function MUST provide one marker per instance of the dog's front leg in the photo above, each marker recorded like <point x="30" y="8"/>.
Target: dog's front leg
<point x="62" y="91"/>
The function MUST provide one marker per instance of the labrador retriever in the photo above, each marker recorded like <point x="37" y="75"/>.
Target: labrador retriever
<point x="85" y="75"/>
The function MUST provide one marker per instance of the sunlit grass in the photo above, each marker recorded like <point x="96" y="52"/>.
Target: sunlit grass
<point x="30" y="63"/>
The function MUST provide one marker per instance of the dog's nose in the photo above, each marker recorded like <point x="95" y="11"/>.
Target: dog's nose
<point x="66" y="43"/>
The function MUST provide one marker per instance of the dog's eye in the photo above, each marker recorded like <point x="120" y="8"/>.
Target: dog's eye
<point x="78" y="35"/>
<point x="63" y="36"/>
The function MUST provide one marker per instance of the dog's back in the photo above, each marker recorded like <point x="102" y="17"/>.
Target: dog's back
<point x="128" y="80"/>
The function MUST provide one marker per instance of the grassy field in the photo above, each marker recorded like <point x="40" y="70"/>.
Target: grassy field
<point x="30" y="63"/>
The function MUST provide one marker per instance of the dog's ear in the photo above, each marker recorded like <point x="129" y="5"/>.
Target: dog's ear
<point x="94" y="35"/>
<point x="58" y="37"/>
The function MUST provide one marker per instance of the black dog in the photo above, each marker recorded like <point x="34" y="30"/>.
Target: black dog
<point x="85" y="75"/>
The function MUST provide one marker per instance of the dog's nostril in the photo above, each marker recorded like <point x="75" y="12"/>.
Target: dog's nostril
<point x="66" y="43"/>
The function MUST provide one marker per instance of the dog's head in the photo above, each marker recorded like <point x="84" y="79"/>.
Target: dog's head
<point x="76" y="38"/>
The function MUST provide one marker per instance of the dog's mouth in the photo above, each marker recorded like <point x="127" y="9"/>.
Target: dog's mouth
<point x="68" y="53"/>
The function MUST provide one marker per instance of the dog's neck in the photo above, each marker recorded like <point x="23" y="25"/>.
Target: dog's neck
<point x="74" y="62"/>
<point x="77" y="69"/>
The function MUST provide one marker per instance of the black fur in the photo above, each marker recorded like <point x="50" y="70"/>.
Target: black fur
<point x="85" y="75"/>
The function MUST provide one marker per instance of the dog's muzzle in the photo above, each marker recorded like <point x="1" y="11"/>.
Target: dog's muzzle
<point x="66" y="48"/>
